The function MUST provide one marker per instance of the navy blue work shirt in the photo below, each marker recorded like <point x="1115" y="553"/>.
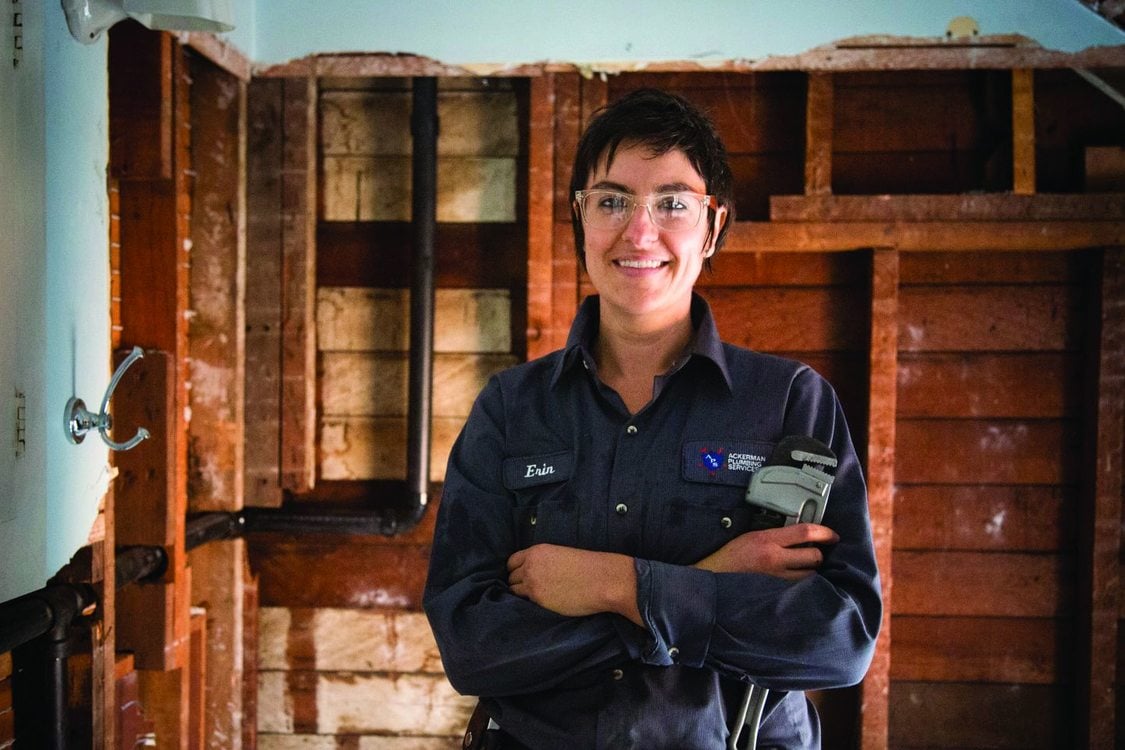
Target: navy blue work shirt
<point x="551" y="454"/>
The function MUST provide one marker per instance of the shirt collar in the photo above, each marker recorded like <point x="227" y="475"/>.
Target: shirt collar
<point x="584" y="332"/>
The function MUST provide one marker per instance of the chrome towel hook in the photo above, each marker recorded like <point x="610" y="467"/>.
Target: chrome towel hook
<point x="80" y="420"/>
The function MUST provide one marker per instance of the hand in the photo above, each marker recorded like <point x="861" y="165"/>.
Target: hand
<point x="782" y="552"/>
<point x="575" y="582"/>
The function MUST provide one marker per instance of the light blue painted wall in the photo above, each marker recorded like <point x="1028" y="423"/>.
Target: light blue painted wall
<point x="58" y="337"/>
<point x="77" y="327"/>
<point x="591" y="31"/>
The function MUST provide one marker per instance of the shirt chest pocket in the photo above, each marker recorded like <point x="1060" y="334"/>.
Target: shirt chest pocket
<point x="710" y="509"/>
<point x="546" y="510"/>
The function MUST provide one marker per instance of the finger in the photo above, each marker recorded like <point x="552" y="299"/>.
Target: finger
<point x="805" y="558"/>
<point x="812" y="533"/>
<point x="516" y="560"/>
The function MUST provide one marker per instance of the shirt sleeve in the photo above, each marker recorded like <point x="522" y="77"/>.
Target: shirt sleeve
<point x="815" y="633"/>
<point x="492" y="642"/>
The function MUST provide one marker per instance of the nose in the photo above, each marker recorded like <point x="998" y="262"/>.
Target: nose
<point x="640" y="230"/>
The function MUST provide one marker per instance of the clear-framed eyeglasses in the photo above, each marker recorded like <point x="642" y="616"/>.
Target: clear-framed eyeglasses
<point x="672" y="212"/>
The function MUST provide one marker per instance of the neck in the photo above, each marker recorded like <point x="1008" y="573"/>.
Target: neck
<point x="640" y="346"/>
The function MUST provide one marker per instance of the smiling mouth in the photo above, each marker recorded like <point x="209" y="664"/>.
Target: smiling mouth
<point x="640" y="263"/>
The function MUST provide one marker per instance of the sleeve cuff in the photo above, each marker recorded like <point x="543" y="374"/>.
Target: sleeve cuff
<point x="677" y="605"/>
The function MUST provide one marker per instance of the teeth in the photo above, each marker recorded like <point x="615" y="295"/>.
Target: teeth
<point x="640" y="263"/>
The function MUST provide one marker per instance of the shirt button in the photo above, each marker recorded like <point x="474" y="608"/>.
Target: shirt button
<point x="622" y="509"/>
<point x="725" y="521"/>
<point x="673" y="652"/>
<point x="533" y="520"/>
<point x="618" y="674"/>
<point x="631" y="429"/>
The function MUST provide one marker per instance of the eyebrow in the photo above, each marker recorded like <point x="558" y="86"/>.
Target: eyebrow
<point x="670" y="187"/>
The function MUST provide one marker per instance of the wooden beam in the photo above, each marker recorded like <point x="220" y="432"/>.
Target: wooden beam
<point x="924" y="208"/>
<point x="540" y="223"/>
<point x="1000" y="52"/>
<point x="1100" y="534"/>
<point x="263" y="303"/>
<point x="217" y="330"/>
<point x="818" y="134"/>
<point x="148" y="513"/>
<point x="219" y="574"/>
<point x="881" y="418"/>
<point x="140" y="104"/>
<point x="151" y="496"/>
<point x="219" y="51"/>
<point x="1023" y="131"/>
<point x="298" y="285"/>
<point x="925" y="236"/>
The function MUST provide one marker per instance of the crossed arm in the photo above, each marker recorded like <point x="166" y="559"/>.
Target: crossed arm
<point x="575" y="582"/>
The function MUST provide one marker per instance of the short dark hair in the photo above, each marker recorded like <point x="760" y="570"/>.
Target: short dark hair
<point x="661" y="122"/>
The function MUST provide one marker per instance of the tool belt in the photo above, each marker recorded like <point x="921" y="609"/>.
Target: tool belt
<point x="479" y="736"/>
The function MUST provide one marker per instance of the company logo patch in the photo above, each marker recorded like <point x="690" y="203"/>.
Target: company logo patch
<point x="724" y="461"/>
<point x="711" y="460"/>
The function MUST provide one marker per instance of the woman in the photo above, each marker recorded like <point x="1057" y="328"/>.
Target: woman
<point x="594" y="574"/>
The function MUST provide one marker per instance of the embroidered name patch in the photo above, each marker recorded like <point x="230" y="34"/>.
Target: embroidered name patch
<point x="528" y="471"/>
<point x="724" y="461"/>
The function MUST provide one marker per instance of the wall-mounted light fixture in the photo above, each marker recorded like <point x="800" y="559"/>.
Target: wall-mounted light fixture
<point x="87" y="19"/>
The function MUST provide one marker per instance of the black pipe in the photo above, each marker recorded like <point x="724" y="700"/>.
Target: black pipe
<point x="40" y="661"/>
<point x="212" y="527"/>
<point x="133" y="564"/>
<point x="424" y="129"/>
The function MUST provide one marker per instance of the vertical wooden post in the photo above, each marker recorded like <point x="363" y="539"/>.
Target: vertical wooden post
<point x="1023" y="131"/>
<point x="217" y="331"/>
<point x="883" y="385"/>
<point x="569" y="109"/>
<point x="818" y="134"/>
<point x="540" y="213"/>
<point x="263" y="303"/>
<point x="1100" y="533"/>
<point x="298" y="289"/>
<point x="280" y="289"/>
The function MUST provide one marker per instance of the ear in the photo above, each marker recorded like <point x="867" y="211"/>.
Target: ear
<point x="717" y="224"/>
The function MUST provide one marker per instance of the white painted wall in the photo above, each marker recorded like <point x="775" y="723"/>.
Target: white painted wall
<point x="592" y="31"/>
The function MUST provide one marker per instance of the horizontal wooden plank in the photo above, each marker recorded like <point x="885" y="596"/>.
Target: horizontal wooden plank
<point x="341" y="640"/>
<point x="1030" y="518"/>
<point x="357" y="702"/>
<point x="995" y="318"/>
<point x="1009" y="452"/>
<point x="379" y="255"/>
<point x="375" y="384"/>
<point x="375" y="447"/>
<point x="982" y="584"/>
<point x="473" y="123"/>
<point x="267" y="741"/>
<point x="782" y="270"/>
<point x="363" y="319"/>
<point x="1036" y="651"/>
<point x="967" y="715"/>
<point x="974" y="384"/>
<point x="975" y="207"/>
<point x="930" y="236"/>
<point x="366" y="572"/>
<point x="790" y="320"/>
<point x="379" y="188"/>
<point x="971" y="268"/>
